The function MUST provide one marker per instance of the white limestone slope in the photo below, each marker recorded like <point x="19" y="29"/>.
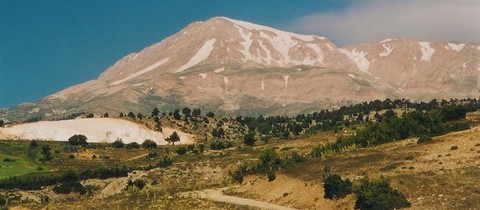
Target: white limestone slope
<point x="95" y="129"/>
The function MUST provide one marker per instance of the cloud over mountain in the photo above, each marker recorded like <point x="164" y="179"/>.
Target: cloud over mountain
<point x="373" y="20"/>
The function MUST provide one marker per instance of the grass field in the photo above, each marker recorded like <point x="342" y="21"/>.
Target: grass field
<point x="15" y="166"/>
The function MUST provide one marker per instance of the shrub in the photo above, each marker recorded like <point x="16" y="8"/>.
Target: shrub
<point x="77" y="139"/>
<point x="2" y="201"/>
<point x="149" y="144"/>
<point x="190" y="147"/>
<point x="118" y="143"/>
<point x="33" y="144"/>
<point x="424" y="139"/>
<point x="454" y="147"/>
<point x="67" y="187"/>
<point x="181" y="150"/>
<point x="379" y="195"/>
<point x="138" y="184"/>
<point x="335" y="187"/>
<point x="249" y="139"/>
<point x="164" y="162"/>
<point x="271" y="176"/>
<point x="133" y="145"/>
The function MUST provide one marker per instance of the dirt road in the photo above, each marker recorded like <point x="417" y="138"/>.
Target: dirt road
<point x="218" y="196"/>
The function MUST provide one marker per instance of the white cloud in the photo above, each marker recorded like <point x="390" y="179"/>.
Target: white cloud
<point x="370" y="20"/>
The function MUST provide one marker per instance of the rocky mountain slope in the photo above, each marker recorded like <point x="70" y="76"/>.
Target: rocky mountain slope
<point x="236" y="67"/>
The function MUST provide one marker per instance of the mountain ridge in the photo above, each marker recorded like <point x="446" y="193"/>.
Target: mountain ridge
<point x="236" y="67"/>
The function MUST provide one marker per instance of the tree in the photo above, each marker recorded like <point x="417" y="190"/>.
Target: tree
<point x="379" y="195"/>
<point x="2" y="201"/>
<point x="139" y="116"/>
<point x="335" y="187"/>
<point x="149" y="144"/>
<point x="2" y="123"/>
<point x="131" y="115"/>
<point x="210" y="114"/>
<point x="196" y="112"/>
<point x="105" y="115"/>
<point x="176" y="114"/>
<point x="269" y="160"/>
<point x="249" y="139"/>
<point x="78" y="139"/>
<point x="186" y="111"/>
<point x="133" y="145"/>
<point x="155" y="112"/>
<point x="47" y="155"/>
<point x="90" y="115"/>
<point x="121" y="114"/>
<point x="118" y="143"/>
<point x="173" y="138"/>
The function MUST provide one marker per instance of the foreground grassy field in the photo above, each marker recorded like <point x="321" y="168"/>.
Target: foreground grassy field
<point x="15" y="166"/>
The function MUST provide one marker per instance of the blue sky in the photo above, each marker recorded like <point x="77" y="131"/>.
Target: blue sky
<point x="49" y="45"/>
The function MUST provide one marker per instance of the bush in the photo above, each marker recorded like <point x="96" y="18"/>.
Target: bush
<point x="164" y="162"/>
<point x="454" y="147"/>
<point x="2" y="201"/>
<point x="249" y="139"/>
<point x="68" y="187"/>
<point x="379" y="195"/>
<point x="77" y="139"/>
<point x="149" y="144"/>
<point x="118" y="143"/>
<point x="133" y="145"/>
<point x="424" y="139"/>
<point x="138" y="184"/>
<point x="271" y="176"/>
<point x="181" y="150"/>
<point x="335" y="187"/>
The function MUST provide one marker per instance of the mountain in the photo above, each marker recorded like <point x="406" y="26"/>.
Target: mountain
<point x="235" y="67"/>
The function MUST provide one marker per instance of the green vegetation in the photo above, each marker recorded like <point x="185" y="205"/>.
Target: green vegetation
<point x="335" y="187"/>
<point x="378" y="195"/>
<point x="78" y="139"/>
<point x="15" y="166"/>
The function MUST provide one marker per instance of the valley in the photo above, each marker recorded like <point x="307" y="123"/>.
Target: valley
<point x="204" y="174"/>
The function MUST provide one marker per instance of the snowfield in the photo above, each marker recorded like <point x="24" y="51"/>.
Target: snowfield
<point x="95" y="129"/>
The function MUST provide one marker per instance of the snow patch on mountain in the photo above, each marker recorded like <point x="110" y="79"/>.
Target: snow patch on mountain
<point x="252" y="26"/>
<point x="427" y="51"/>
<point x="318" y="51"/>
<point x="358" y="58"/>
<point x="456" y="47"/>
<point x="387" y="40"/>
<point x="329" y="47"/>
<point x="203" y="75"/>
<point x="201" y="55"/>
<point x="388" y="50"/>
<point x="143" y="71"/>
<point x="247" y="43"/>
<point x="262" y="86"/>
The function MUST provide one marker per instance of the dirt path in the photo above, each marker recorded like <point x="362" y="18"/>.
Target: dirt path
<point x="218" y="196"/>
<point x="118" y="184"/>
<point x="135" y="158"/>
